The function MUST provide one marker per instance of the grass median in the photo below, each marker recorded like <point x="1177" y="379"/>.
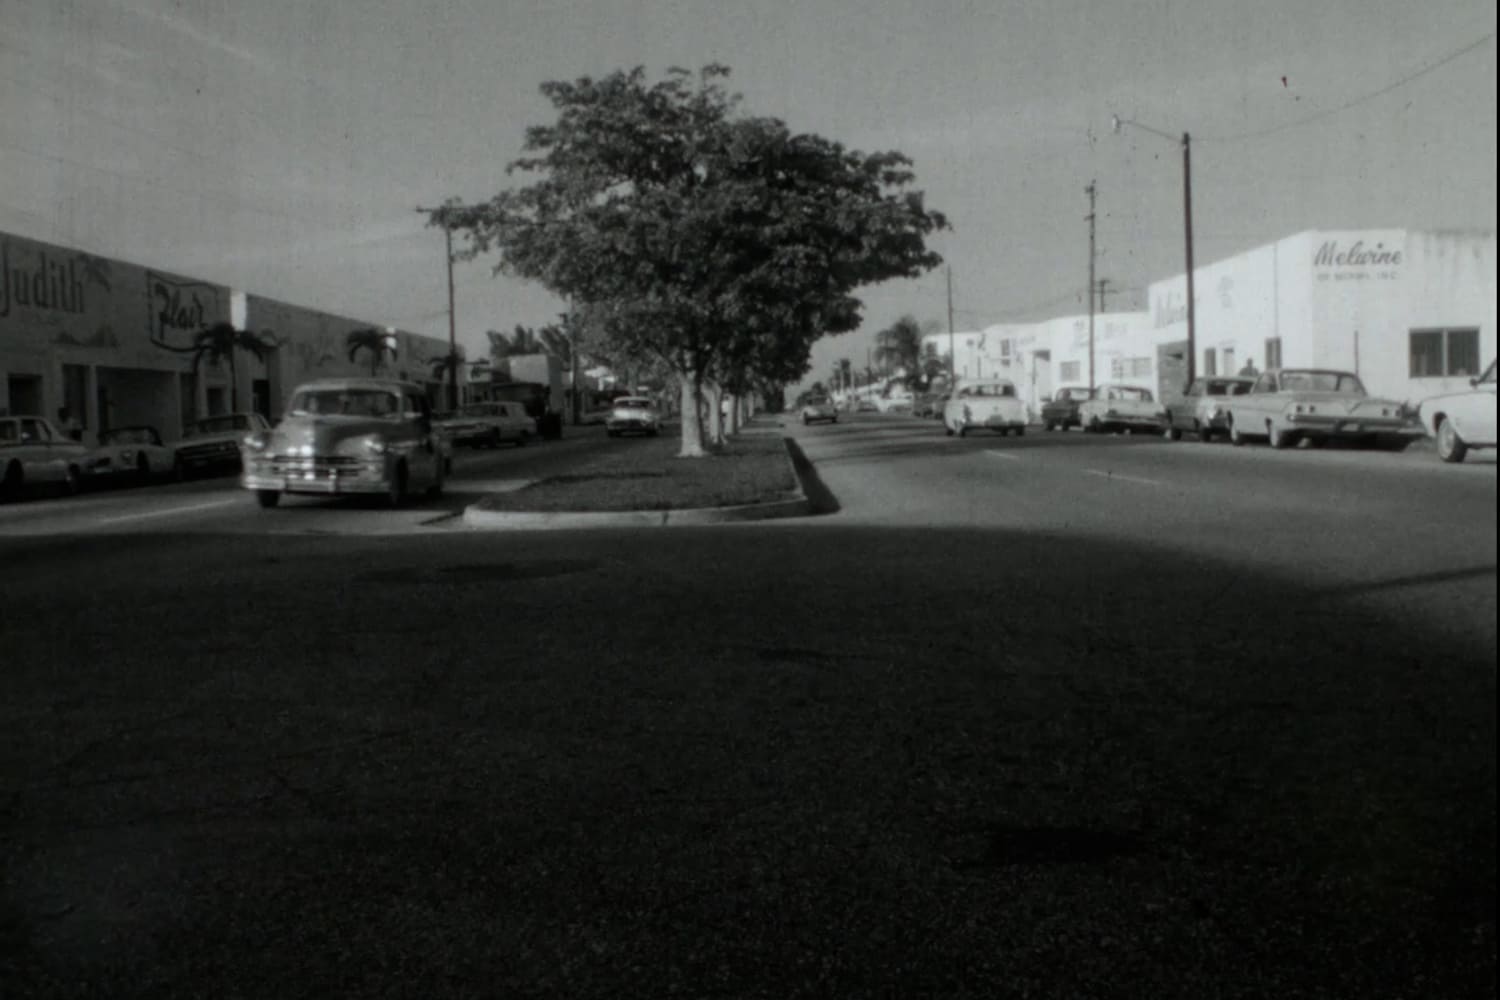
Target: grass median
<point x="646" y="474"/>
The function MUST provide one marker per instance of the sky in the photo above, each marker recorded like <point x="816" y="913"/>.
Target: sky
<point x="282" y="147"/>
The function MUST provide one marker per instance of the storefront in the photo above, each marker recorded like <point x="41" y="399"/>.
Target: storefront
<point x="116" y="344"/>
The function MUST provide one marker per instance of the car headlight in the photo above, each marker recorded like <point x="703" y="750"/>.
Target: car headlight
<point x="255" y="441"/>
<point x="375" y="445"/>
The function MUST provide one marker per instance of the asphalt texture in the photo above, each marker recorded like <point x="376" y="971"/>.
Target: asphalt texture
<point x="1057" y="716"/>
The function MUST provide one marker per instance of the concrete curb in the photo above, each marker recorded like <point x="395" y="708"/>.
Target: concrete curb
<point x="793" y="504"/>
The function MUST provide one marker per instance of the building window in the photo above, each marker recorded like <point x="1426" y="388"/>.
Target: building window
<point x="1273" y="352"/>
<point x="1070" y="371"/>
<point x="1441" y="353"/>
<point x="1210" y="366"/>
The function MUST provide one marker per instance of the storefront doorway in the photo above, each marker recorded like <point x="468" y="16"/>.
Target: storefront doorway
<point x="24" y="393"/>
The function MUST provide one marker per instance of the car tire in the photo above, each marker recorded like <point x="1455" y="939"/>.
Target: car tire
<point x="447" y="465"/>
<point x="1173" y="434"/>
<point x="963" y="430"/>
<point x="1205" y="434"/>
<point x="143" y="469"/>
<point x="1450" y="447"/>
<point x="267" y="499"/>
<point x="948" y="429"/>
<point x="396" y="495"/>
<point x="72" y="481"/>
<point x="179" y="469"/>
<point x="1094" y="427"/>
<point x="1235" y="437"/>
<point x="1279" y="438"/>
<point x="1020" y="432"/>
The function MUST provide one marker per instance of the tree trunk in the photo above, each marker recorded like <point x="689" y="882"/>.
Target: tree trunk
<point x="692" y="419"/>
<point x="734" y="414"/>
<point x="715" y="396"/>
<point x="234" y="386"/>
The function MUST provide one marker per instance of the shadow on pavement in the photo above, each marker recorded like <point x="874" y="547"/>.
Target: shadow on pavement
<point x="813" y="760"/>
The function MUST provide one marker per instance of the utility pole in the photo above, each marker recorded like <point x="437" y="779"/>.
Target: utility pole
<point x="952" y="356"/>
<point x="452" y="327"/>
<point x="1187" y="216"/>
<point x="1090" y="192"/>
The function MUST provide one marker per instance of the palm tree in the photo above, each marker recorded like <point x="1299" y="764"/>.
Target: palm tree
<point x="377" y="342"/>
<point x="522" y="341"/>
<point x="219" y="343"/>
<point x="899" y="346"/>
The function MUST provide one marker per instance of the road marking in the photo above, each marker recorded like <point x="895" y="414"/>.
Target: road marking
<point x="1003" y="454"/>
<point x="164" y="513"/>
<point x="1129" y="479"/>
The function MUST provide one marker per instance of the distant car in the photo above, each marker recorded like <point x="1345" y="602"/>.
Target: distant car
<point x="1201" y="410"/>
<point x="1127" y="408"/>
<point x="927" y="404"/>
<point x="1461" y="421"/>
<point x="991" y="404"/>
<point x="487" y="425"/>
<point x="818" y="409"/>
<point x="1061" y="411"/>
<point x="863" y="405"/>
<point x="348" y="436"/>
<point x="33" y="451"/>
<point x="131" y="452"/>
<point x="1287" y="405"/>
<point x="213" y="443"/>
<point x="633" y="415"/>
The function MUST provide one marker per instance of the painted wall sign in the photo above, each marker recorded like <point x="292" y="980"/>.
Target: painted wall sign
<point x="44" y="280"/>
<point x="1357" y="260"/>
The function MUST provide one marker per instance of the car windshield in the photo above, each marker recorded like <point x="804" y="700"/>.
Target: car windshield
<point x="996" y="390"/>
<point x="220" y="425"/>
<point x="1072" y="394"/>
<point x="633" y="404"/>
<point x="346" y="403"/>
<point x="480" y="410"/>
<point x="1306" y="381"/>
<point x="1225" y="388"/>
<point x="129" y="435"/>
<point x="1130" y="392"/>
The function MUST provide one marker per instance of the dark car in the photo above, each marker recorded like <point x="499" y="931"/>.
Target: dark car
<point x="1199" y="411"/>
<point x="1061" y="411"/>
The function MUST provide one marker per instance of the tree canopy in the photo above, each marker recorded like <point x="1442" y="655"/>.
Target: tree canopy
<point x="720" y="244"/>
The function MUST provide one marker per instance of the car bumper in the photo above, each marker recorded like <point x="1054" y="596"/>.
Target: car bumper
<point x="629" y="425"/>
<point x="317" y="477"/>
<point x="1352" y="426"/>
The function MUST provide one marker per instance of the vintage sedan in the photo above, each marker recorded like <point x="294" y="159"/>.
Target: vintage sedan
<point x="633" y="415"/>
<point x="348" y="436"/>
<point x="1201" y="410"/>
<point x="33" y="452"/>
<point x="131" y="452"/>
<point x="991" y="404"/>
<point x="488" y="425"/>
<point x="819" y="408"/>
<point x="1127" y="408"/>
<point x="1061" y="411"/>
<point x="1288" y="405"/>
<point x="1461" y="421"/>
<point x="213" y="443"/>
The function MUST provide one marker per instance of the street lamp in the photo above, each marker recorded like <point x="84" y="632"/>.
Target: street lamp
<point x="1187" y="219"/>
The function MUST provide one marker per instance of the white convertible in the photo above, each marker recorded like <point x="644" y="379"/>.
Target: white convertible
<point x="991" y="404"/>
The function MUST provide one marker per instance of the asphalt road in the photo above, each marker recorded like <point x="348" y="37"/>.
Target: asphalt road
<point x="1049" y="717"/>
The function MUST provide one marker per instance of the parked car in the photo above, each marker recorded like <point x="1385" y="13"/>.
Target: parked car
<point x="487" y="425"/>
<point x="1461" y="421"/>
<point x="348" y="436"/>
<point x="213" y="443"/>
<point x="1061" y="411"/>
<point x="819" y="408"/>
<point x="1201" y="409"/>
<point x="988" y="403"/>
<point x="633" y="415"/>
<point x="1127" y="408"/>
<point x="34" y="452"/>
<point x="131" y="452"/>
<point x="1286" y="405"/>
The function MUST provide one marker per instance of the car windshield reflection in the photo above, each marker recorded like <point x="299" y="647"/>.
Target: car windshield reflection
<point x="376" y="403"/>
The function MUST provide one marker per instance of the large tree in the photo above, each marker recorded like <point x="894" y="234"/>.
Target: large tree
<point x="711" y="241"/>
<point x="899" y="347"/>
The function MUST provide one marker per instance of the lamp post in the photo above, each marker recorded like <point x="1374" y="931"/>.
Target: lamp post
<point x="1187" y="221"/>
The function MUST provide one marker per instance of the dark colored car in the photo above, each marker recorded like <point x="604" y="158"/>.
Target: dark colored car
<point x="1061" y="411"/>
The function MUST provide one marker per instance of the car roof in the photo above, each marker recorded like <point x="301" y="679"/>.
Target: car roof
<point x="360" y="383"/>
<point x="1314" y="371"/>
<point x="1228" y="378"/>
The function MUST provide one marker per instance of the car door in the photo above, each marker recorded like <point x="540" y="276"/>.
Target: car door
<point x="1251" y="409"/>
<point x="39" y="453"/>
<point x="1474" y="411"/>
<point x="1181" y="412"/>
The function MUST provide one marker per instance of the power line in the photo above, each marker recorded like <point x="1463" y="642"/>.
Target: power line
<point x="1430" y="68"/>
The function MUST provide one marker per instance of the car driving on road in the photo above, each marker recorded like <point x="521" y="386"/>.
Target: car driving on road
<point x="819" y="408"/>
<point x="633" y="415"/>
<point x="348" y="436"/>
<point x="991" y="404"/>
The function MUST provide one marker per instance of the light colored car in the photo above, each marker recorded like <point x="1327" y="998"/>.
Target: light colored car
<point x="33" y="451"/>
<point x="487" y="425"/>
<point x="134" y="452"/>
<point x="819" y="409"/>
<point x="1460" y="421"/>
<point x="1202" y="409"/>
<point x="348" y="436"/>
<point x="213" y="443"/>
<point x="1286" y="405"/>
<point x="991" y="404"/>
<point x="633" y="415"/>
<point x="1128" y="408"/>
